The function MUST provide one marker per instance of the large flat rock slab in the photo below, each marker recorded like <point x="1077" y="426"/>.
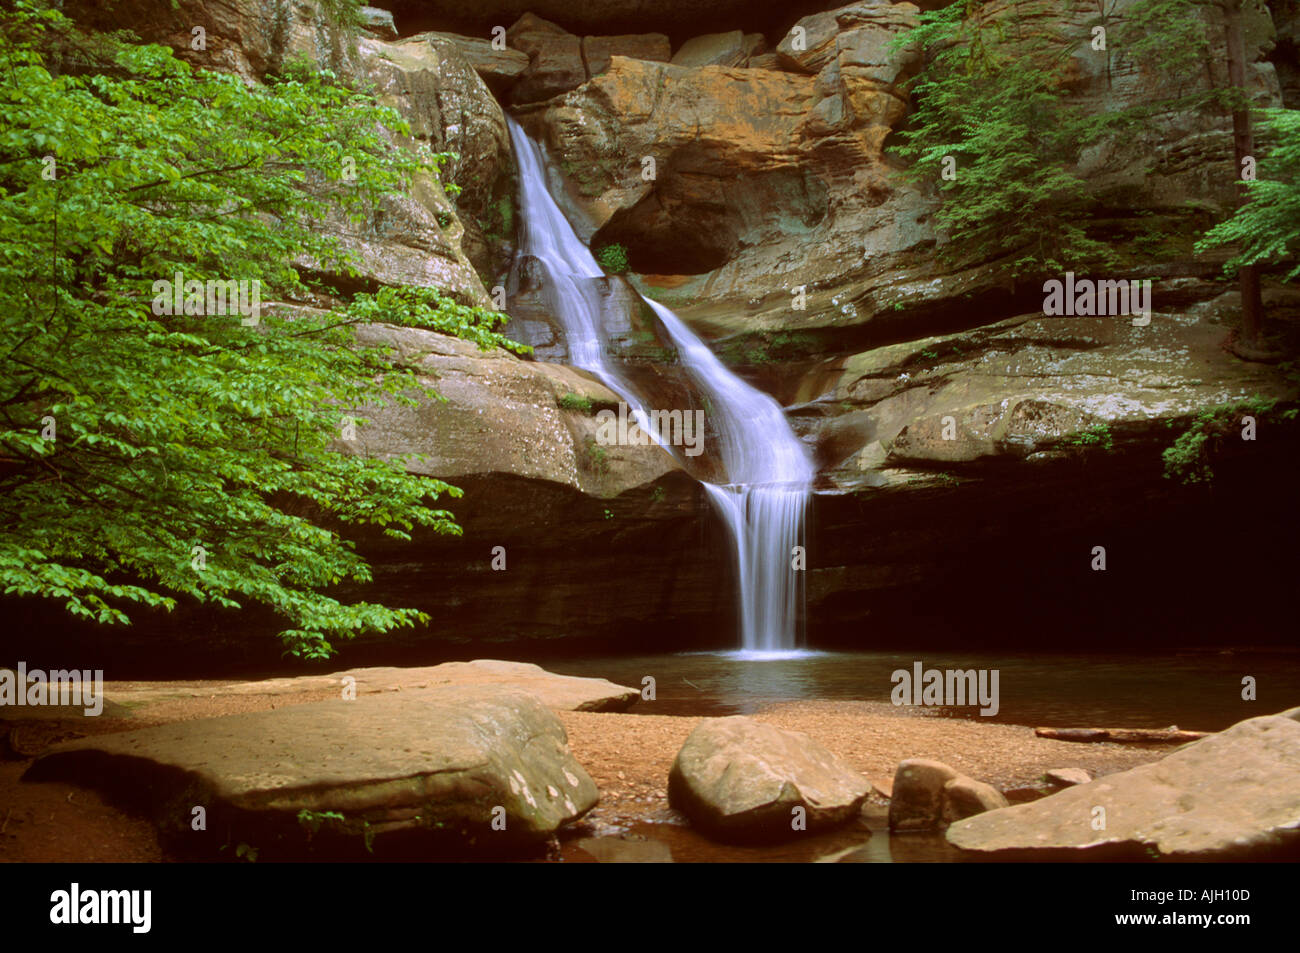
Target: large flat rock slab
<point x="467" y="767"/>
<point x="560" y="692"/>
<point x="1231" y="796"/>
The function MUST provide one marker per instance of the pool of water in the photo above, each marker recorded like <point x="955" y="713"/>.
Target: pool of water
<point x="1199" y="691"/>
<point x="678" y="843"/>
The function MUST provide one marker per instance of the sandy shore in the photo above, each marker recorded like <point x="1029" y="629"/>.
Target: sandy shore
<point x="629" y="756"/>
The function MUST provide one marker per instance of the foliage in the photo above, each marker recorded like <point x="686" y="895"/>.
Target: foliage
<point x="598" y="456"/>
<point x="344" y="14"/>
<point x="993" y="114"/>
<point x="612" y="258"/>
<point x="767" y="347"/>
<point x="1098" y="435"/>
<point x="1267" y="228"/>
<point x="314" y="820"/>
<point x="572" y="401"/>
<point x="1173" y="35"/>
<point x="144" y="456"/>
<point x="1174" y="39"/>
<point x="1190" y="458"/>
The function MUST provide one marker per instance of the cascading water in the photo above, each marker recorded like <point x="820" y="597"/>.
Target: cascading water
<point x="768" y="470"/>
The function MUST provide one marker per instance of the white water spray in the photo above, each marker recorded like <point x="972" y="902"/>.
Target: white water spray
<point x="768" y="469"/>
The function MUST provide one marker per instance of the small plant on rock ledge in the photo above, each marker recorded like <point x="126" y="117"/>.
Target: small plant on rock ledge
<point x="572" y="401"/>
<point x="1098" y="435"/>
<point x="612" y="258"/>
<point x="598" y="458"/>
<point x="1190" y="458"/>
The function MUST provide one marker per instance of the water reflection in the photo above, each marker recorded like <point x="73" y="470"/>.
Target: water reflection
<point x="1194" y="691"/>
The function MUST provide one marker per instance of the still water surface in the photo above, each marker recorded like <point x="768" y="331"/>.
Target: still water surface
<point x="1196" y="691"/>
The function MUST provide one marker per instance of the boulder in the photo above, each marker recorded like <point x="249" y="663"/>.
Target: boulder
<point x="597" y="51"/>
<point x="1232" y="796"/>
<point x="765" y="61"/>
<point x="929" y="794"/>
<point x="917" y="799"/>
<point x="433" y="767"/>
<point x="712" y="49"/>
<point x="496" y="67"/>
<point x="755" y="45"/>
<point x="810" y="44"/>
<point x="554" y="59"/>
<point x="966" y="797"/>
<point x="739" y="779"/>
<point x="377" y="22"/>
<point x="557" y="692"/>
<point x="1068" y="777"/>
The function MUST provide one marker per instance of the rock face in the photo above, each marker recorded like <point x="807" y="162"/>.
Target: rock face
<point x="808" y="146"/>
<point x="1231" y="796"/>
<point x="739" y="779"/>
<point x="1021" y="388"/>
<point x="555" y="62"/>
<point x="680" y="17"/>
<point x="712" y="49"/>
<point x="433" y="83"/>
<point x="433" y="766"/>
<point x="248" y="37"/>
<point x="928" y="794"/>
<point x="499" y="68"/>
<point x="771" y="176"/>
<point x="379" y="22"/>
<point x="503" y="415"/>
<point x="597" y="51"/>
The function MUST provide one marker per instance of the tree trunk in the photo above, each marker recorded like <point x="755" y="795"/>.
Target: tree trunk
<point x="1243" y="143"/>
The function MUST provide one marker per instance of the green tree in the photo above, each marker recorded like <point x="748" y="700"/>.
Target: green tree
<point x="146" y="456"/>
<point x="1179" y="38"/>
<point x="1267" y="228"/>
<point x="994" y="130"/>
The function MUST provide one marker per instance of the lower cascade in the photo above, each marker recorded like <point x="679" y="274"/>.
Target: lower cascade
<point x="768" y="471"/>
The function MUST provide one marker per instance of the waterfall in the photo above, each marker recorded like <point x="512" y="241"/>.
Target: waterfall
<point x="768" y="470"/>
